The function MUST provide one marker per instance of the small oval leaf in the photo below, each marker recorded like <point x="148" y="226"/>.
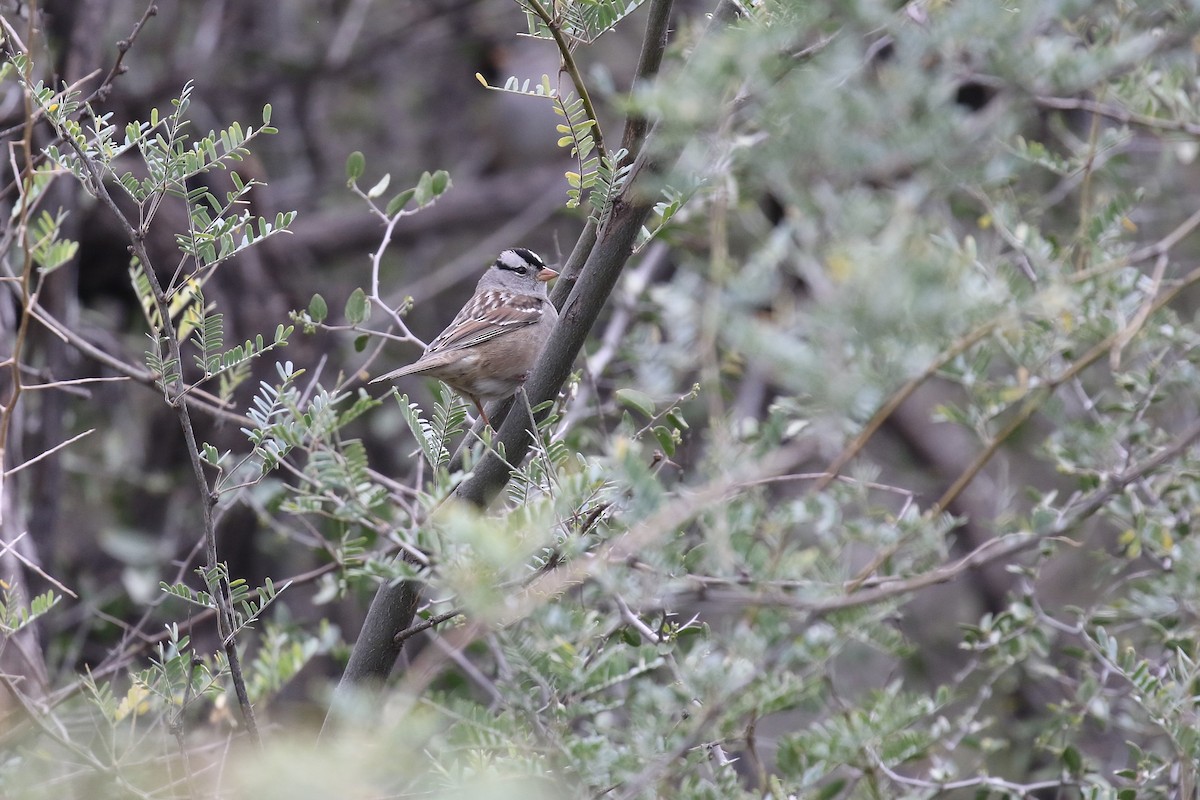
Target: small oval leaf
<point x="397" y="203"/>
<point x="666" y="439"/>
<point x="318" y="309"/>
<point x="358" y="310"/>
<point x="632" y="398"/>
<point x="424" y="190"/>
<point x="356" y="163"/>
<point x="440" y="182"/>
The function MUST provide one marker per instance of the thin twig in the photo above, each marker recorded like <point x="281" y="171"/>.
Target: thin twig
<point x="455" y="655"/>
<point x="1117" y="113"/>
<point x="981" y="782"/>
<point x="45" y="453"/>
<point x="1168" y="242"/>
<point x="426" y="624"/>
<point x="903" y="393"/>
<point x="635" y="621"/>
<point x="123" y="47"/>
<point x="994" y="550"/>
<point x="28" y="283"/>
<point x="196" y="399"/>
<point x="9" y="547"/>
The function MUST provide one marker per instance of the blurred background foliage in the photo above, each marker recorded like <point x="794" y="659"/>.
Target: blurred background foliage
<point x="875" y="478"/>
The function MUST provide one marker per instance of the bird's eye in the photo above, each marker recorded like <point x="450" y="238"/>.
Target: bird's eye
<point x="521" y="270"/>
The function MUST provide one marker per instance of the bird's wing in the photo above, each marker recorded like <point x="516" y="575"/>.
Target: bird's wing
<point x="488" y="315"/>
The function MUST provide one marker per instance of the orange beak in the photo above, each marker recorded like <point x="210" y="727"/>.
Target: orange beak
<point x="546" y="274"/>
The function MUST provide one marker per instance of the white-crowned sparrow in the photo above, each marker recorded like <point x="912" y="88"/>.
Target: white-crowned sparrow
<point x="486" y="352"/>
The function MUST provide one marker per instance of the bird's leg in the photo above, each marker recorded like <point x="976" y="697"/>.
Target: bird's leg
<point x="482" y="413"/>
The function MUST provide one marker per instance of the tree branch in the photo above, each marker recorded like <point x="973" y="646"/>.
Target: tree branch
<point x="394" y="606"/>
<point x="654" y="44"/>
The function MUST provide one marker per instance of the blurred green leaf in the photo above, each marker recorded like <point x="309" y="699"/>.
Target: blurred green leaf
<point x="356" y="163"/>
<point x="358" y="308"/>
<point x="397" y="203"/>
<point x="423" y="193"/>
<point x="439" y="182"/>
<point x="317" y="308"/>
<point x="633" y="398"/>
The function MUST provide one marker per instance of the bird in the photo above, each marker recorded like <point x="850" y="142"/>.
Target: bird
<point x="488" y="349"/>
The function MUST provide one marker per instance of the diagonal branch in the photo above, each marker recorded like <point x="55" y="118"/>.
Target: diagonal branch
<point x="995" y="550"/>
<point x="393" y="607"/>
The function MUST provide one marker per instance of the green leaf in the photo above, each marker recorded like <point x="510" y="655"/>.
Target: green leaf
<point x="317" y="308"/>
<point x="424" y="190"/>
<point x="266" y="114"/>
<point x="360" y="343"/>
<point x="632" y="398"/>
<point x="831" y="789"/>
<point x="1072" y="760"/>
<point x="675" y="417"/>
<point x="356" y="163"/>
<point x="666" y="438"/>
<point x="423" y="431"/>
<point x="397" y="203"/>
<point x="358" y="310"/>
<point x="440" y="182"/>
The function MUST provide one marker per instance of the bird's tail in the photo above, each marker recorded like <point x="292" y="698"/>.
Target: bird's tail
<point x="398" y="373"/>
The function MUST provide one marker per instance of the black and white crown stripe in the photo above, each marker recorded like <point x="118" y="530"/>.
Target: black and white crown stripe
<point x="520" y="260"/>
